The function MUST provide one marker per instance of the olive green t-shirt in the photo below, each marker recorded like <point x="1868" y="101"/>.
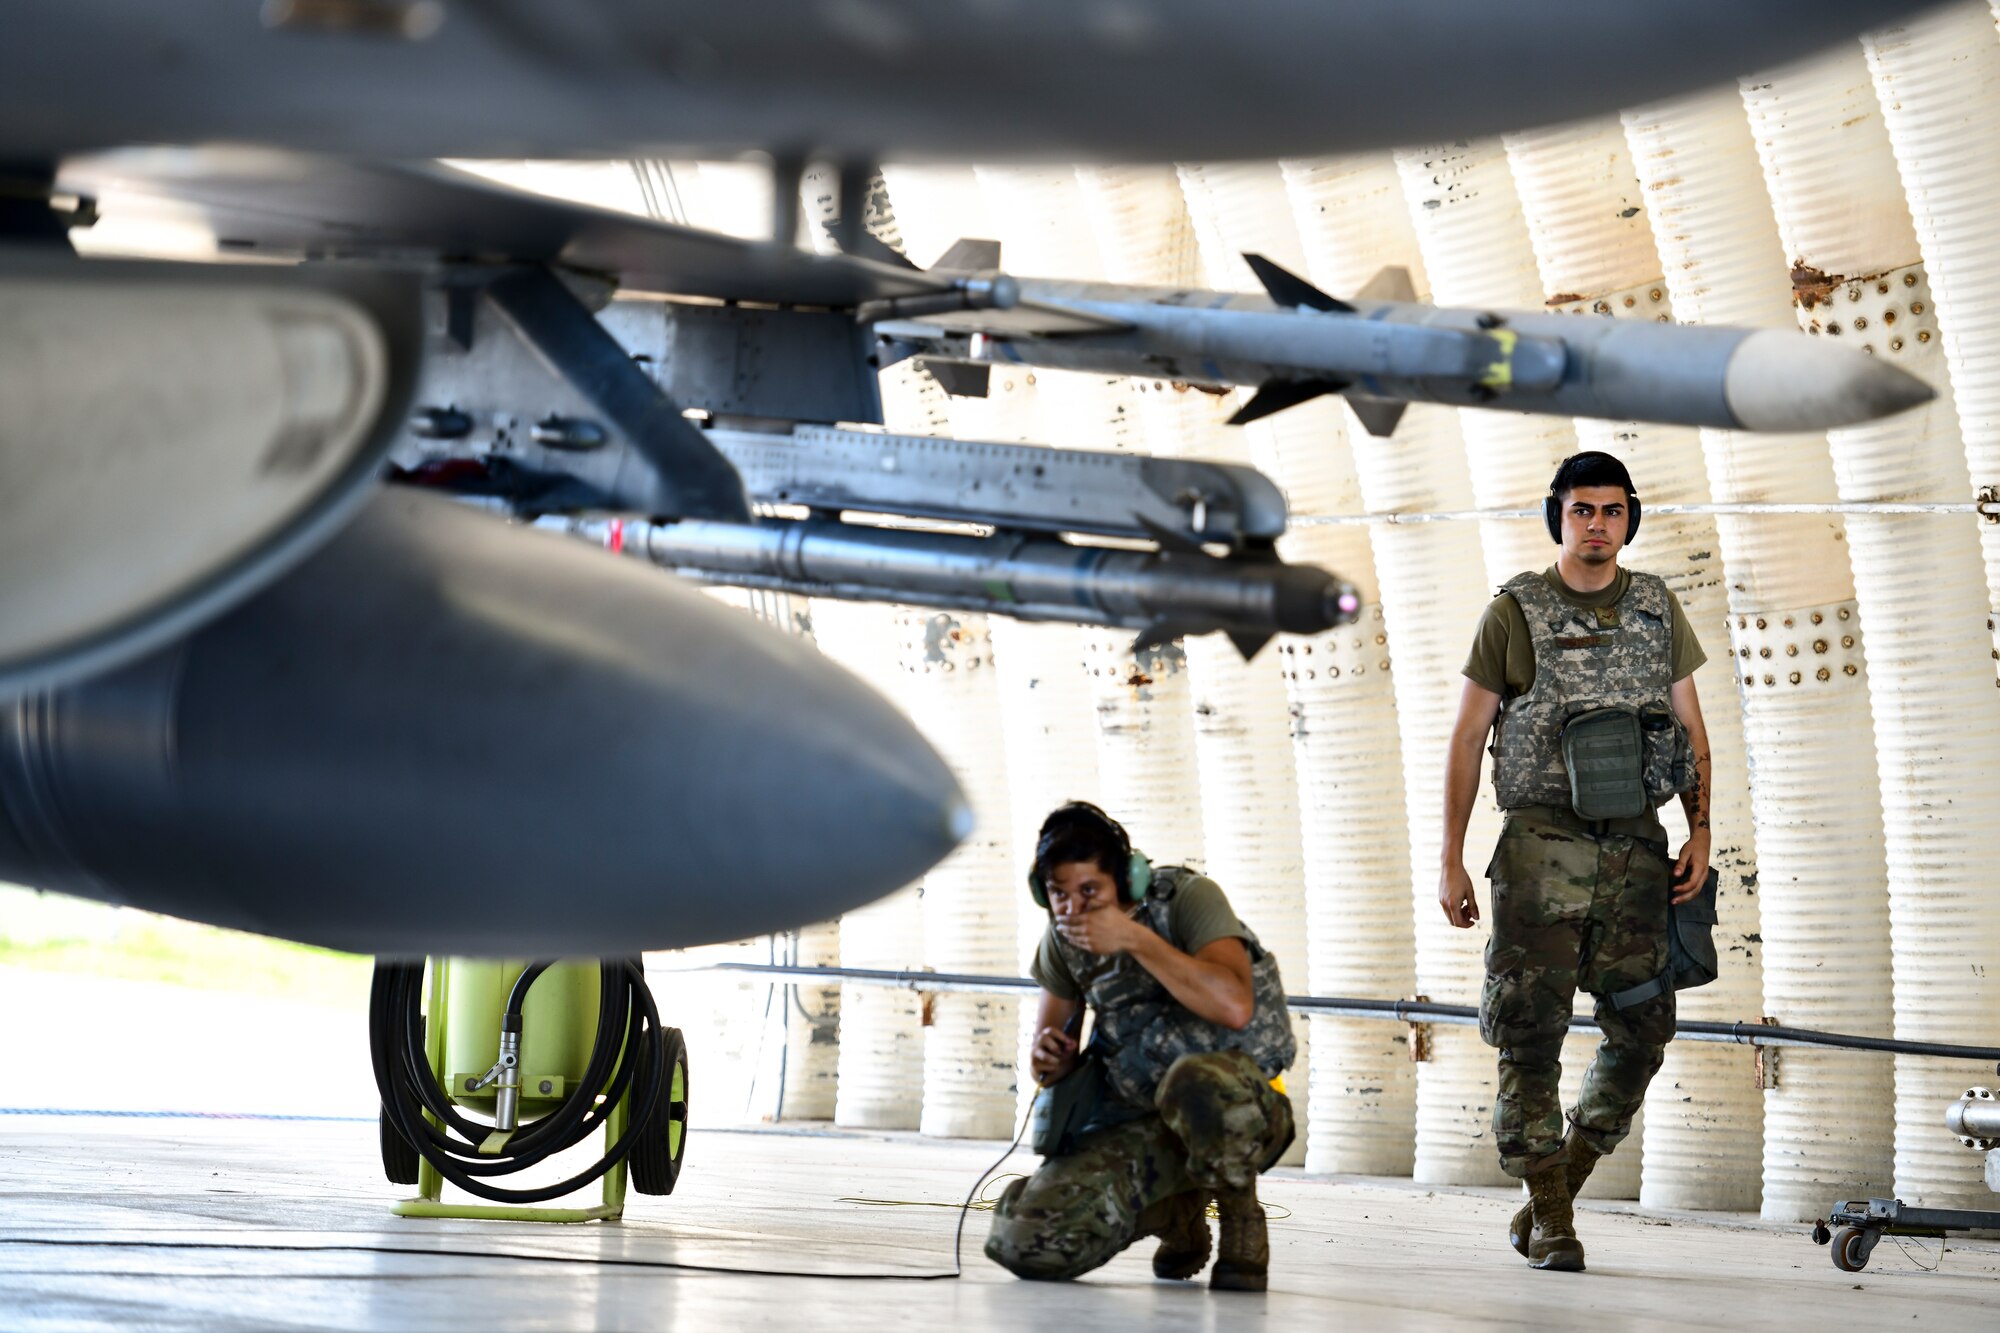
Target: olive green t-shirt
<point x="1503" y="649"/>
<point x="1197" y="916"/>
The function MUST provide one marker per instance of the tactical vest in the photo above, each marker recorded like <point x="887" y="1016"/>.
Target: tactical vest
<point x="1142" y="1029"/>
<point x="1586" y="658"/>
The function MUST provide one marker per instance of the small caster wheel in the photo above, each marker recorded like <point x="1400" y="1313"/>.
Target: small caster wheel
<point x="656" y="1154"/>
<point x="1851" y="1248"/>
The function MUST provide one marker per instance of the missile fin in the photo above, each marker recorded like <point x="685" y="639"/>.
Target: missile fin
<point x="1377" y="415"/>
<point x="1277" y="395"/>
<point x="1289" y="289"/>
<point x="1249" y="642"/>
<point x="868" y="245"/>
<point x="958" y="379"/>
<point x="1389" y="284"/>
<point x="970" y="256"/>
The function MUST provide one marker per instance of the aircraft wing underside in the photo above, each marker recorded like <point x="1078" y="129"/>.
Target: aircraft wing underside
<point x="290" y="204"/>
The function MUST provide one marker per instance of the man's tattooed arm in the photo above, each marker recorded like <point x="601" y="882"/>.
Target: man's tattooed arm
<point x="1695" y="799"/>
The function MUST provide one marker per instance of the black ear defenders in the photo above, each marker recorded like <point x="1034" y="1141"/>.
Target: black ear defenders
<point x="1134" y="874"/>
<point x="1552" y="506"/>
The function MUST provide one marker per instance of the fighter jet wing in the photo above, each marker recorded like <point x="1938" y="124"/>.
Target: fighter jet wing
<point x="901" y="80"/>
<point x="299" y="205"/>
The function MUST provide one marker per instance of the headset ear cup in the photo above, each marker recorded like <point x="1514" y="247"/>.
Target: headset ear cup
<point x="1139" y="877"/>
<point x="1633" y="531"/>
<point x="1552" y="518"/>
<point x="1037" y="892"/>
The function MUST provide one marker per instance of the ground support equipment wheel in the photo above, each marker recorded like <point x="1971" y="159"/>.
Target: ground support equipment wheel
<point x="655" y="1161"/>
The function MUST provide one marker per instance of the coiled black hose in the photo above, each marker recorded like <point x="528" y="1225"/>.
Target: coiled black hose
<point x="628" y="1022"/>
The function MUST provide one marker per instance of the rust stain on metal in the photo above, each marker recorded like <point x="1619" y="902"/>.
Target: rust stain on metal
<point x="1812" y="286"/>
<point x="1564" y="298"/>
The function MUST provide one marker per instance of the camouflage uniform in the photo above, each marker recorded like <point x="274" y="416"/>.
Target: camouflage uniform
<point x="1189" y="1106"/>
<point x="1572" y="911"/>
<point x="1219" y="1123"/>
<point x="1578" y="904"/>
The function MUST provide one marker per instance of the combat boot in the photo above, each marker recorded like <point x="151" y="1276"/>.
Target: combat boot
<point x="1243" y="1263"/>
<point x="1582" y="1160"/>
<point x="1553" y="1244"/>
<point x="1181" y="1223"/>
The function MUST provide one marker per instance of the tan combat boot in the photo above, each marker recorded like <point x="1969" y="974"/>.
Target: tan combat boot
<point x="1554" y="1244"/>
<point x="1181" y="1223"/>
<point x="1244" y="1261"/>
<point x="1582" y="1159"/>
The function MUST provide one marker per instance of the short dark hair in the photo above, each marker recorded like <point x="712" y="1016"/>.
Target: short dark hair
<point x="1078" y="832"/>
<point x="1591" y="468"/>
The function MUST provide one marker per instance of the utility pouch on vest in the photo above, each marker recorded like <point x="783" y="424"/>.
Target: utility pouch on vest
<point x="1604" y="753"/>
<point x="1066" y="1108"/>
<point x="1691" y="957"/>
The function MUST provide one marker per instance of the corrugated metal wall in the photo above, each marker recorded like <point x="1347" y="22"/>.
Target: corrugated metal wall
<point x="1854" y="197"/>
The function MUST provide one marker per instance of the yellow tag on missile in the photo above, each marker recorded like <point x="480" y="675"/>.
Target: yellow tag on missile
<point x="1500" y="373"/>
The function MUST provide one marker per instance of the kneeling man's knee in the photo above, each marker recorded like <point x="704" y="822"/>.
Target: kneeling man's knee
<point x="1034" y="1246"/>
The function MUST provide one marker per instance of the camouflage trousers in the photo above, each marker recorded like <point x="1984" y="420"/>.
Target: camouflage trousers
<point x="1572" y="911"/>
<point x="1219" y="1123"/>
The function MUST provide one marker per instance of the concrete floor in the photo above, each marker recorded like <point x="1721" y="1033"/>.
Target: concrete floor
<point x="285" y="1196"/>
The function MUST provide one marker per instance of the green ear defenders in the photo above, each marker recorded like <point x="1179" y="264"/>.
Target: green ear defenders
<point x="1132" y="871"/>
<point x="1552" y="504"/>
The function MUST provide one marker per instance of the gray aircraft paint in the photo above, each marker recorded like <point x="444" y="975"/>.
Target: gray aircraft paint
<point x="446" y="734"/>
<point x="1056" y="80"/>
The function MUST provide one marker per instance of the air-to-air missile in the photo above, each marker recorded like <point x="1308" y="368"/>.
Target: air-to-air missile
<point x="1164" y="593"/>
<point x="1381" y="350"/>
<point x="1196" y="554"/>
<point x="442" y="733"/>
<point x="1168" y="547"/>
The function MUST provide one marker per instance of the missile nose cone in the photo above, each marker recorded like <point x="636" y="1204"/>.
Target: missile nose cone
<point x="1779" y="381"/>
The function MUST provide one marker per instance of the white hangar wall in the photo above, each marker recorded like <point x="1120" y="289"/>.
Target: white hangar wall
<point x="1850" y="689"/>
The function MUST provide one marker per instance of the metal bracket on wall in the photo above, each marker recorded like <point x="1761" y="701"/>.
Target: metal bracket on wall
<point x="1764" y="1059"/>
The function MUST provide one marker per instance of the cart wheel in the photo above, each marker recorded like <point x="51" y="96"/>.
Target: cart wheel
<point x="399" y="1159"/>
<point x="1851" y="1248"/>
<point x="656" y="1154"/>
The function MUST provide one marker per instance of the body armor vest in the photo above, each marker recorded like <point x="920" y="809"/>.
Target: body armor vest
<point x="1142" y="1029"/>
<point x="1620" y="656"/>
